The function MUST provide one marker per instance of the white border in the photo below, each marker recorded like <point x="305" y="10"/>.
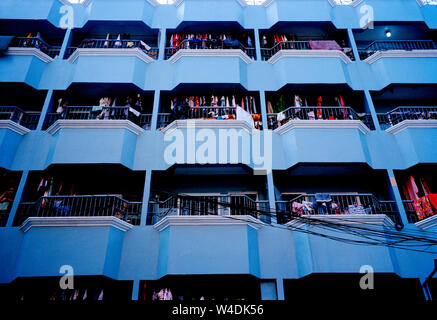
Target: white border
<point x="353" y="4"/>
<point x="284" y="53"/>
<point x="13" y="126"/>
<point x="208" y="124"/>
<point x="427" y="223"/>
<point x="95" y="124"/>
<point x="244" y="220"/>
<point x="110" y="52"/>
<point x="16" y="51"/>
<point x="33" y="222"/>
<point x="412" y="124"/>
<point x="401" y="54"/>
<point x="210" y="53"/>
<point x="322" y="124"/>
<point x="347" y="219"/>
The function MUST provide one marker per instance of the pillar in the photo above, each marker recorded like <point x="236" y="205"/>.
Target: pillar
<point x="17" y="198"/>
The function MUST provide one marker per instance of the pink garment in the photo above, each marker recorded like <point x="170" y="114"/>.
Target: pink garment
<point x="324" y="45"/>
<point x="412" y="188"/>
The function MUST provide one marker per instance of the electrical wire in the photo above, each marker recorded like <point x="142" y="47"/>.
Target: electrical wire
<point x="365" y="235"/>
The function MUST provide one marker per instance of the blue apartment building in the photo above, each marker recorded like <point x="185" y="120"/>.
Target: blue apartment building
<point x="218" y="149"/>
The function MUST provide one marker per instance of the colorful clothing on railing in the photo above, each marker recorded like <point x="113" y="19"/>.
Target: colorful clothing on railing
<point x="423" y="207"/>
<point x="324" y="45"/>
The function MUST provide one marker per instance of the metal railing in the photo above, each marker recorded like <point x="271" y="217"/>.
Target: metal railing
<point x="194" y="205"/>
<point x="15" y="114"/>
<point x="410" y="211"/>
<point x="384" y="45"/>
<point x="267" y="53"/>
<point x="98" y="113"/>
<point x="400" y="114"/>
<point x="274" y="120"/>
<point x="34" y="42"/>
<point x="209" y="44"/>
<point x="114" y="44"/>
<point x="164" y="119"/>
<point x="345" y="204"/>
<point x="80" y="206"/>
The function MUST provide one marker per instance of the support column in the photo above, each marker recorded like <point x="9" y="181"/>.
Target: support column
<point x="66" y="43"/>
<point x="397" y="196"/>
<point x="146" y="196"/>
<point x="353" y="44"/>
<point x="369" y="102"/>
<point x="161" y="43"/>
<point x="280" y="288"/>
<point x="135" y="289"/>
<point x="262" y="98"/>
<point x="257" y="44"/>
<point x="155" y="111"/>
<point x="271" y="196"/>
<point x="45" y="109"/>
<point x="17" y="198"/>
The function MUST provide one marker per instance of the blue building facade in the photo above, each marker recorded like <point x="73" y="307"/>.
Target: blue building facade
<point x="216" y="148"/>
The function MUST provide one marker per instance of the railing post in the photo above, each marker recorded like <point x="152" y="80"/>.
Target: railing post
<point x="353" y="44"/>
<point x="17" y="198"/>
<point x="257" y="44"/>
<point x="397" y="196"/>
<point x="262" y="98"/>
<point x="146" y="197"/>
<point x="135" y="289"/>
<point x="155" y="111"/>
<point x="66" y="42"/>
<point x="44" y="111"/>
<point x="271" y="197"/>
<point x="161" y="44"/>
<point x="371" y="108"/>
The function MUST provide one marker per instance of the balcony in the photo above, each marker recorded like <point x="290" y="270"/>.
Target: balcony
<point x="104" y="47"/>
<point x="212" y="106"/>
<point x="310" y="48"/>
<point x="356" y="204"/>
<point x="400" y="114"/>
<point x="224" y="205"/>
<point x="399" y="47"/>
<point x="79" y="206"/>
<point x="81" y="193"/>
<point x="31" y="43"/>
<point x="25" y="119"/>
<point x="419" y="194"/>
<point x="210" y="40"/>
<point x="216" y="47"/>
<point x="94" y="113"/>
<point x="321" y="114"/>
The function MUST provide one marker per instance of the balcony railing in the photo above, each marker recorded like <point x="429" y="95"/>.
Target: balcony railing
<point x="26" y="119"/>
<point x="193" y="205"/>
<point x="209" y="44"/>
<point x="336" y="204"/>
<point x="384" y="45"/>
<point x="34" y="42"/>
<point x="99" y="113"/>
<point x="80" y="206"/>
<point x="318" y="113"/>
<point x="410" y="211"/>
<point x="400" y="114"/>
<point x="115" y="44"/>
<point x="267" y="53"/>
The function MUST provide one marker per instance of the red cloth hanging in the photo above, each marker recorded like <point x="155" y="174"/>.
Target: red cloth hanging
<point x="319" y="104"/>
<point x="433" y="200"/>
